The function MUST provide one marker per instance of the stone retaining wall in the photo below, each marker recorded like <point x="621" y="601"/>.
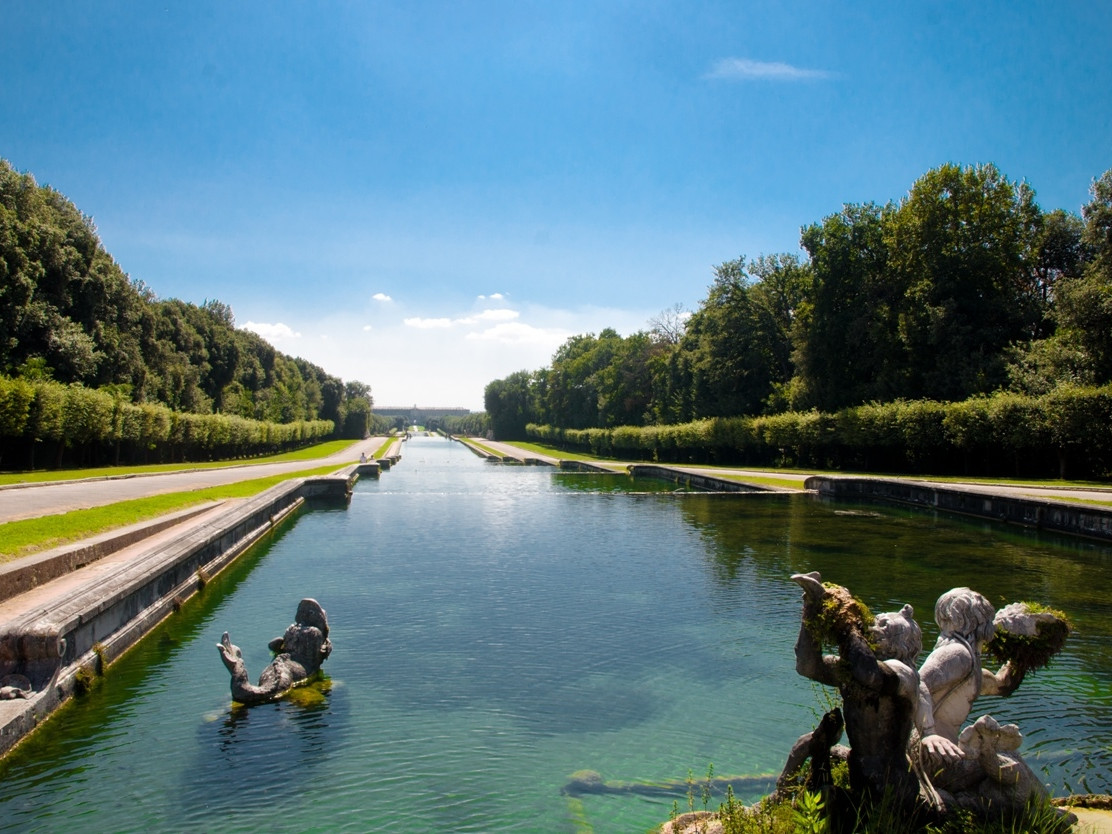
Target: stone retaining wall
<point x="1042" y="514"/>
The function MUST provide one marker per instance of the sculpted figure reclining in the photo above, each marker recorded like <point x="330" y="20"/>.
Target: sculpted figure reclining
<point x="300" y="652"/>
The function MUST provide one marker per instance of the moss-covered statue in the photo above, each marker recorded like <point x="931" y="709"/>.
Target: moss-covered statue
<point x="874" y="671"/>
<point x="300" y="653"/>
<point x="940" y="768"/>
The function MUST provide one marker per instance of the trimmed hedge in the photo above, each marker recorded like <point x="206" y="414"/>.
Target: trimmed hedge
<point x="1067" y="433"/>
<point x="89" y="425"/>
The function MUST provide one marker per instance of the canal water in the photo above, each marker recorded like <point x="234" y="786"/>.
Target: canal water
<point x="498" y="628"/>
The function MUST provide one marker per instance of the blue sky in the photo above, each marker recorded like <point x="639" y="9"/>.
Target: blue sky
<point x="429" y="196"/>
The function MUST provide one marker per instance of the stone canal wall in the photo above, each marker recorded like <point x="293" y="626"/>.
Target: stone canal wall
<point x="692" y="479"/>
<point x="92" y="624"/>
<point x="1074" y="519"/>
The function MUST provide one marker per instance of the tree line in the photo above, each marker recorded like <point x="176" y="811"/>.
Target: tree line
<point x="962" y="290"/>
<point x="69" y="315"/>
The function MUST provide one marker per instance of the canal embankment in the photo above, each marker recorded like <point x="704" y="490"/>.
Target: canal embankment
<point x="83" y="606"/>
<point x="1071" y="517"/>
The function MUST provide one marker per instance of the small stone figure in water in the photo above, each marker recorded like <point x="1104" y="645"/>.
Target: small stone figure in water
<point x="880" y="687"/>
<point x="300" y="653"/>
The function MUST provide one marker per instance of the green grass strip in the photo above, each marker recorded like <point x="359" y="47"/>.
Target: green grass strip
<point x="32" y="535"/>
<point x="314" y="452"/>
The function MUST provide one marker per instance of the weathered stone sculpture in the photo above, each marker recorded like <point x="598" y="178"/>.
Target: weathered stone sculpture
<point x="14" y="686"/>
<point x="977" y="769"/>
<point x="300" y="652"/>
<point x="879" y="687"/>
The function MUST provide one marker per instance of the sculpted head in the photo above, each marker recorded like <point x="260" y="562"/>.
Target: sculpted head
<point x="897" y="636"/>
<point x="965" y="613"/>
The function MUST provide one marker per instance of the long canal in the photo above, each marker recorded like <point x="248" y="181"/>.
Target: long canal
<point x="499" y="628"/>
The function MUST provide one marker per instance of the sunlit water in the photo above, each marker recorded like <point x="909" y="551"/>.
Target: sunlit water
<point x="497" y="628"/>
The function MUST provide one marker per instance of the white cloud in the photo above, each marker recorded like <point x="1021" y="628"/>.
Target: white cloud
<point x="745" y="69"/>
<point x="489" y="315"/>
<point x="276" y="332"/>
<point x="486" y="315"/>
<point x="519" y="333"/>
<point x="503" y="314"/>
<point x="497" y="296"/>
<point x="381" y="296"/>
<point x="427" y="324"/>
<point x="449" y="359"/>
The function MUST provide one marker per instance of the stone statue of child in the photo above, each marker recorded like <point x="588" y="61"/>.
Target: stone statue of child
<point x="977" y="769"/>
<point x="952" y="672"/>
<point x="880" y="693"/>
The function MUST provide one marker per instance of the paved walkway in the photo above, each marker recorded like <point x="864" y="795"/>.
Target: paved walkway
<point x="34" y="500"/>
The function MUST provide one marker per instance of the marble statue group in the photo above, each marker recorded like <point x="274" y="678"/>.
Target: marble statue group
<point x="909" y="742"/>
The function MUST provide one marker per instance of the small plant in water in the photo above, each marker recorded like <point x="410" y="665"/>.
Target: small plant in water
<point x="83" y="679"/>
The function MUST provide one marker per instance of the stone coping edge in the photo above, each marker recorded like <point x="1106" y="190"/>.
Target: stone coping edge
<point x="22" y="575"/>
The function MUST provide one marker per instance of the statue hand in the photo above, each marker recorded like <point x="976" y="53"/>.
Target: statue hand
<point x="941" y="750"/>
<point x="811" y="583"/>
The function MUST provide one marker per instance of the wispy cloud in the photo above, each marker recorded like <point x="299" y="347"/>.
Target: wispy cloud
<point x="275" y="332"/>
<point x="427" y="324"/>
<point x="502" y="314"/>
<point x="490" y="315"/>
<point x="746" y="69"/>
<point x="519" y="333"/>
<point x="496" y="296"/>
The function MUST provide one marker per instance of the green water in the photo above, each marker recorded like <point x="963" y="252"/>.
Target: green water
<point x="497" y="628"/>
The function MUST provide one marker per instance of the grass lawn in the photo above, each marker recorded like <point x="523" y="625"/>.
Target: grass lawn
<point x="314" y="452"/>
<point x="22" y="538"/>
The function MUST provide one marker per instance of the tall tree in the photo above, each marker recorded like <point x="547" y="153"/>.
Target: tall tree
<point x="509" y="403"/>
<point x="959" y="245"/>
<point x="847" y="346"/>
<point x="1085" y="303"/>
<point x="739" y="339"/>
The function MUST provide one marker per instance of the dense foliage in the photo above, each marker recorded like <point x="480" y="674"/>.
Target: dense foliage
<point x="475" y="424"/>
<point x="963" y="292"/>
<point x="70" y="315"/>
<point x="1066" y="433"/>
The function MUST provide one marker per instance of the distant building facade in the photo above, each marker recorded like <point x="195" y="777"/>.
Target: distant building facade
<point x="420" y="416"/>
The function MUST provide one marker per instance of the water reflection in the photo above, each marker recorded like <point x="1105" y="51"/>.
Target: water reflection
<point x="499" y="628"/>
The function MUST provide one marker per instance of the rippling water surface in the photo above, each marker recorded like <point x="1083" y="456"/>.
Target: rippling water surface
<point x="497" y="628"/>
